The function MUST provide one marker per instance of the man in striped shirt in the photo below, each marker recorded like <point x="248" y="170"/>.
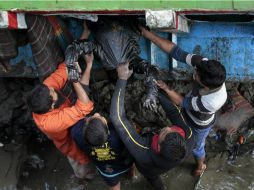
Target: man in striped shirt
<point x="205" y="99"/>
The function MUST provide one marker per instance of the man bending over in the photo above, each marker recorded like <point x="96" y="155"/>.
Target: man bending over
<point x="207" y="96"/>
<point x="54" y="114"/>
<point x="154" y="153"/>
<point x="98" y="139"/>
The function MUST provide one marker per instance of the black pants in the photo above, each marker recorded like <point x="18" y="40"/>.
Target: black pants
<point x="152" y="177"/>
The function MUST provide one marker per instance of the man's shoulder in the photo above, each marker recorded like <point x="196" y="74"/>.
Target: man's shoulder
<point x="220" y="93"/>
<point x="77" y="128"/>
<point x="216" y="99"/>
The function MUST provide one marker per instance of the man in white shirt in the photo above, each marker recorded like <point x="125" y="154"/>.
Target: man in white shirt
<point x="205" y="99"/>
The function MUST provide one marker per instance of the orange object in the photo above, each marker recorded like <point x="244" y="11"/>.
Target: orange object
<point x="55" y="123"/>
<point x="241" y="139"/>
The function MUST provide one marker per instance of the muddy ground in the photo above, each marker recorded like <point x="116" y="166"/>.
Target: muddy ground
<point x="30" y="161"/>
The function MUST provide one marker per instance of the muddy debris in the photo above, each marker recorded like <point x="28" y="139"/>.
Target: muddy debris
<point x="17" y="130"/>
<point x="34" y="161"/>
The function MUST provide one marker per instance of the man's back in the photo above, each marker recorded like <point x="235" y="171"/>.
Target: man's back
<point x="201" y="103"/>
<point x="110" y="157"/>
<point x="56" y="122"/>
<point x="141" y="147"/>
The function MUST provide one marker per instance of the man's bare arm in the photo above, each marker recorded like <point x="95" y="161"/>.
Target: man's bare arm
<point x="162" y="43"/>
<point x="175" y="97"/>
<point x="81" y="94"/>
<point x="85" y="78"/>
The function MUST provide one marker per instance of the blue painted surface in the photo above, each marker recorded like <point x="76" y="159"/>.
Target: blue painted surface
<point x="25" y="55"/>
<point x="158" y="57"/>
<point x="230" y="43"/>
<point x="24" y="64"/>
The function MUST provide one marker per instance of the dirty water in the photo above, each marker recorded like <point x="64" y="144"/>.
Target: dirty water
<point x="221" y="174"/>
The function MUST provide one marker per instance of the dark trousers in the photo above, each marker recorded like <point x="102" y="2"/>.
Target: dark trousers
<point x="152" y="177"/>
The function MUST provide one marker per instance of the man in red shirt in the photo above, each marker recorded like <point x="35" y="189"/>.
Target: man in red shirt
<point x="54" y="114"/>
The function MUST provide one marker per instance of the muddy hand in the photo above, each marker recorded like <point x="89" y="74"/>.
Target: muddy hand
<point x="143" y="28"/>
<point x="152" y="94"/>
<point x="71" y="58"/>
<point x="74" y="72"/>
<point x="150" y="103"/>
<point x="162" y="85"/>
<point x="123" y="71"/>
<point x="72" y="53"/>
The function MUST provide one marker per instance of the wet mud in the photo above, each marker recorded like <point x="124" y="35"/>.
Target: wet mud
<point x="39" y="165"/>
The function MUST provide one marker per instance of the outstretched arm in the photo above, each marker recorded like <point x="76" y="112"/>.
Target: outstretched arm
<point x="174" y="114"/>
<point x="162" y="43"/>
<point x="72" y="53"/>
<point x="136" y="145"/>
<point x="175" y="97"/>
<point x="76" y="49"/>
<point x="85" y="78"/>
<point x="169" y="47"/>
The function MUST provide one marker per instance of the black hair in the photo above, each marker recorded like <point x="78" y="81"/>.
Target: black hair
<point x="95" y="132"/>
<point x="39" y="100"/>
<point x="173" y="147"/>
<point x="212" y="73"/>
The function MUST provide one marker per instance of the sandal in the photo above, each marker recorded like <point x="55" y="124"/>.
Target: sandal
<point x="199" y="172"/>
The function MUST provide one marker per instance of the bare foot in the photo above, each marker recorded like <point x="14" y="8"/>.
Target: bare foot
<point x="198" y="172"/>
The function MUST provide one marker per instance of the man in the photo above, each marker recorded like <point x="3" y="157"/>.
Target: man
<point x="54" y="114"/>
<point x="156" y="153"/>
<point x="206" y="98"/>
<point x="99" y="140"/>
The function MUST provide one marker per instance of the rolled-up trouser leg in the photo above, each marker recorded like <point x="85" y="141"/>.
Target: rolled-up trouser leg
<point x="200" y="138"/>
